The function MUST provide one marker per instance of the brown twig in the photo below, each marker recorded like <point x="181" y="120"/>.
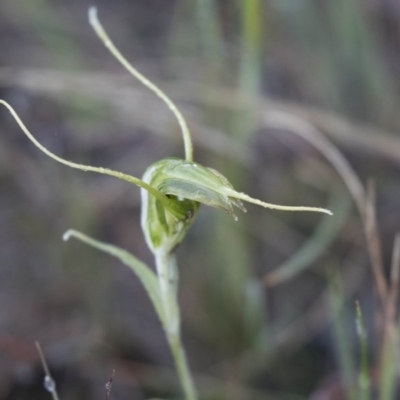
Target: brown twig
<point x="49" y="382"/>
<point x="374" y="245"/>
<point x="348" y="132"/>
<point x="388" y="357"/>
<point x="299" y="127"/>
<point x="393" y="294"/>
<point x="109" y="385"/>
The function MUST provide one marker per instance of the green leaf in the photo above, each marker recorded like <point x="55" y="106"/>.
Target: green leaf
<point x="143" y="271"/>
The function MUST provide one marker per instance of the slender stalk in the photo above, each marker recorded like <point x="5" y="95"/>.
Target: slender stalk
<point x="182" y="367"/>
<point x="344" y="353"/>
<point x="49" y="382"/>
<point x="364" y="378"/>
<point x="252" y="36"/>
<point x="389" y="356"/>
<point x="168" y="279"/>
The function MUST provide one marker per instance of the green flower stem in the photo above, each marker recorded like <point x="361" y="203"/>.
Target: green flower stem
<point x="182" y="367"/>
<point x="168" y="280"/>
<point x="167" y="272"/>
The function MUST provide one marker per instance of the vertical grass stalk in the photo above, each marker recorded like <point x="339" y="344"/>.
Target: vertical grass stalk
<point x="363" y="378"/>
<point x="344" y="353"/>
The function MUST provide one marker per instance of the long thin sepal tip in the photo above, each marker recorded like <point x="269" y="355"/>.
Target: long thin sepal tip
<point x="92" y="15"/>
<point x="67" y="235"/>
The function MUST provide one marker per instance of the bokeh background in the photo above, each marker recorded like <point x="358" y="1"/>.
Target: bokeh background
<point x="295" y="101"/>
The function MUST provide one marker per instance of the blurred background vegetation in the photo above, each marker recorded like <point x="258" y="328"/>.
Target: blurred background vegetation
<point x="296" y="102"/>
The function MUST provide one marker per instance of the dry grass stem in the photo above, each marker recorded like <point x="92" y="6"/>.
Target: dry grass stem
<point x="374" y="246"/>
<point x="349" y="133"/>
<point x="393" y="292"/>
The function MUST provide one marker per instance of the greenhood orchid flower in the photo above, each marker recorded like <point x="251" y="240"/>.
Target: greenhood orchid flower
<point x="187" y="184"/>
<point x="172" y="190"/>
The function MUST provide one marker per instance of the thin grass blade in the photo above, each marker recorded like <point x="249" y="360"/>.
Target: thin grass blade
<point x="144" y="273"/>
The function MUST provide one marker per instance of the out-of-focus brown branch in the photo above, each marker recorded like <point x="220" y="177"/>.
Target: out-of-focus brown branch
<point x="391" y="306"/>
<point x="347" y="132"/>
<point x="374" y="245"/>
<point x="109" y="385"/>
<point x="299" y="127"/>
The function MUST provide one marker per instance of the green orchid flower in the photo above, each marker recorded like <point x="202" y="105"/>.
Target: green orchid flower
<point x="172" y="190"/>
<point x="187" y="184"/>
